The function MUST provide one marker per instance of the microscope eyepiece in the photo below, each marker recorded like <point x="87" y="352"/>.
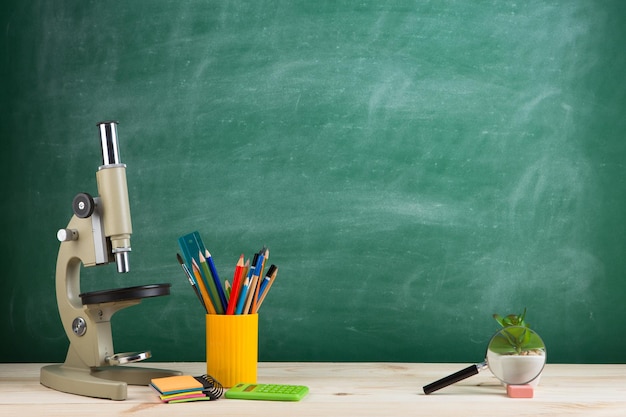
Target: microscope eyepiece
<point x="108" y="141"/>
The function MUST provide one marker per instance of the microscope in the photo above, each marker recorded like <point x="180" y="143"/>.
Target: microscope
<point x="98" y="233"/>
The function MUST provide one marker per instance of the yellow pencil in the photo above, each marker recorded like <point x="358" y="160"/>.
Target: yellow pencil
<point x="205" y="295"/>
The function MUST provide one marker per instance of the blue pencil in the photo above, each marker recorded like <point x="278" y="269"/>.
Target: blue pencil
<point x="242" y="297"/>
<point x="216" y="279"/>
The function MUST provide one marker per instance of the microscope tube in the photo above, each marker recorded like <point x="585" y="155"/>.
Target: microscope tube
<point x="113" y="190"/>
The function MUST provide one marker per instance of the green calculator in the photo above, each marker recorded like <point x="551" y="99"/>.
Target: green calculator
<point x="270" y="392"/>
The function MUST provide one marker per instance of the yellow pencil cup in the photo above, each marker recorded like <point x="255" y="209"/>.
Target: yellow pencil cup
<point x="232" y="345"/>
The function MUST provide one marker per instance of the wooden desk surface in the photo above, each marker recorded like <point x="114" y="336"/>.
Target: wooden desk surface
<point x="343" y="389"/>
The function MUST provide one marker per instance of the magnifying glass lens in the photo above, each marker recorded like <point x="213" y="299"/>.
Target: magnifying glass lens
<point x="516" y="355"/>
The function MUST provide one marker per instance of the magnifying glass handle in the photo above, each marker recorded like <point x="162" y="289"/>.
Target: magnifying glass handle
<point x="454" y="378"/>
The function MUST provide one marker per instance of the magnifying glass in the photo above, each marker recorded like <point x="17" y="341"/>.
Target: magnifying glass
<point x="516" y="355"/>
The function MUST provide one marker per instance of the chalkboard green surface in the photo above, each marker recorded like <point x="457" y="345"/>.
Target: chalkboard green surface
<point x="413" y="166"/>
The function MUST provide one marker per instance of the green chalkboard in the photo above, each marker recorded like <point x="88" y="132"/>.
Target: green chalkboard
<point x="413" y="166"/>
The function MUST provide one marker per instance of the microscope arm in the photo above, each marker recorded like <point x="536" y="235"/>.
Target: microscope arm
<point x="88" y="327"/>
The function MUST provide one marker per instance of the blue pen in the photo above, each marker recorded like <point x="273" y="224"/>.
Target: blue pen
<point x="259" y="265"/>
<point x="258" y="270"/>
<point x="266" y="280"/>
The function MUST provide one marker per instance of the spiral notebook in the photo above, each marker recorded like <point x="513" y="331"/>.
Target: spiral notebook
<point x="185" y="388"/>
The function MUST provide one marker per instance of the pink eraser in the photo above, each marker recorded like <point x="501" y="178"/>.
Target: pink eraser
<point x="519" y="391"/>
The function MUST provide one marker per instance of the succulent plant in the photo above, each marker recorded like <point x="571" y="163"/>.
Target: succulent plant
<point x="512" y="320"/>
<point x="516" y="338"/>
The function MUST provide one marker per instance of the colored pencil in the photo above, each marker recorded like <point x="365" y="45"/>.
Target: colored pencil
<point x="250" y="295"/>
<point x="191" y="280"/>
<point x="274" y="270"/>
<point x="210" y="285"/>
<point x="245" y="273"/>
<point x="242" y="296"/>
<point x="205" y="295"/>
<point x="234" y="293"/>
<point x="216" y="278"/>
<point x="227" y="289"/>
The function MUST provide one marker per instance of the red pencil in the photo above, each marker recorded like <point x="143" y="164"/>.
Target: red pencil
<point x="234" y="294"/>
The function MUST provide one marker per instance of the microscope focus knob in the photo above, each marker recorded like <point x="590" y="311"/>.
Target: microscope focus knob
<point x="65" y="235"/>
<point x="83" y="205"/>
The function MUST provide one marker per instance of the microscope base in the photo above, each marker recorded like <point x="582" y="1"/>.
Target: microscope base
<point x="105" y="382"/>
